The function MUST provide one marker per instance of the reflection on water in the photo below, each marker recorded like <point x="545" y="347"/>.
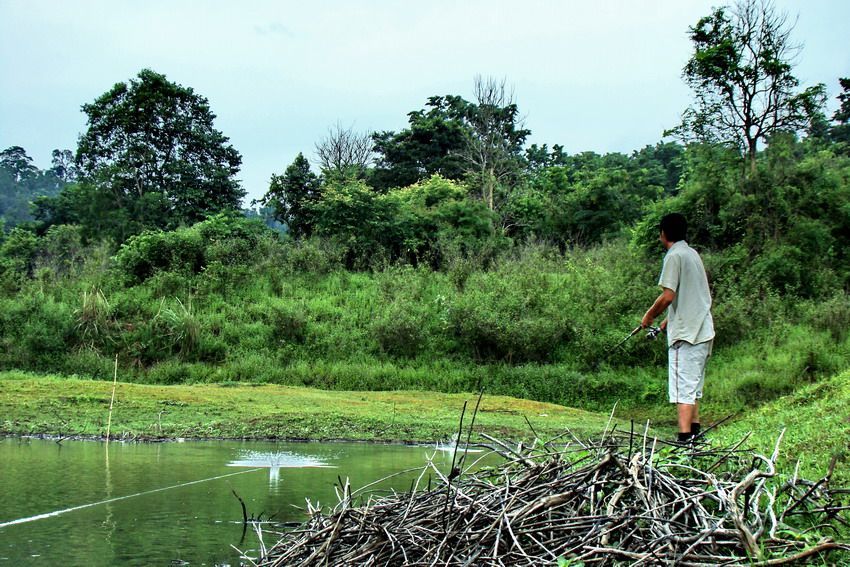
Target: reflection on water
<point x="276" y="460"/>
<point x="150" y="504"/>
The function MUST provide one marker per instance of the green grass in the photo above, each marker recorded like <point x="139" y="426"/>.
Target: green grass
<point x="34" y="404"/>
<point x="816" y="421"/>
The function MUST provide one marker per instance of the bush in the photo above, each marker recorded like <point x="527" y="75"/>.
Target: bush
<point x="93" y="318"/>
<point x="400" y="332"/>
<point x="145" y="254"/>
<point x="35" y="332"/>
<point x="62" y="250"/>
<point x="316" y="256"/>
<point x="512" y="319"/>
<point x="831" y="316"/>
<point x="18" y="252"/>
<point x="226" y="240"/>
<point x="288" y="324"/>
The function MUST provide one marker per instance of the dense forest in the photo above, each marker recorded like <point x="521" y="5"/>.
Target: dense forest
<point x="448" y="255"/>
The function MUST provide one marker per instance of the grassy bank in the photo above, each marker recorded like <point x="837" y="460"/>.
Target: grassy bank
<point x="816" y="422"/>
<point x="536" y="324"/>
<point x="814" y="417"/>
<point x="54" y="405"/>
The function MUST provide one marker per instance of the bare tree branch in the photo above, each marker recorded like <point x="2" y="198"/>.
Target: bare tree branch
<point x="344" y="149"/>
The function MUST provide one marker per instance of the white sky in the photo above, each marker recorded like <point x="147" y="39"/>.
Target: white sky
<point x="602" y="76"/>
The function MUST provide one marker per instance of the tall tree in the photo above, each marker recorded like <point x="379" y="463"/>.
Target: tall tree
<point x="291" y="196"/>
<point x="344" y="152"/>
<point x="62" y="165"/>
<point x="840" y="131"/>
<point x="494" y="146"/>
<point x="432" y="143"/>
<point x="17" y="163"/>
<point x="741" y="74"/>
<point x="21" y="183"/>
<point x="153" y="140"/>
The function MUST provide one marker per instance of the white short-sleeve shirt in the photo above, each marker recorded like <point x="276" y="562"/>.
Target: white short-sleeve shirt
<point x="689" y="316"/>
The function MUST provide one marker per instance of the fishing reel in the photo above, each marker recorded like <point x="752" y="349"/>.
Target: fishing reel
<point x="653" y="332"/>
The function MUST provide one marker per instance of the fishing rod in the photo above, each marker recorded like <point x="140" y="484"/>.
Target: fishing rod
<point x="651" y="334"/>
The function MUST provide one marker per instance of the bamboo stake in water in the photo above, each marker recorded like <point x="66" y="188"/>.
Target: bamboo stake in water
<point x="114" y="383"/>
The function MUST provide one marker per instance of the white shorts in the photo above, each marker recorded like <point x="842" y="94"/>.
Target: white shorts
<point x="687" y="371"/>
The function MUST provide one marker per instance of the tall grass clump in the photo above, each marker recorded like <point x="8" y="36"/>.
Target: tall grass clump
<point x="93" y="317"/>
<point x="181" y="326"/>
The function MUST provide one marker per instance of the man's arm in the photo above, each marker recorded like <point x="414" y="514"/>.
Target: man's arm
<point x="663" y="302"/>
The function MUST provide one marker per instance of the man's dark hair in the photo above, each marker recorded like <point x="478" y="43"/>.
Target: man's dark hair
<point x="675" y="226"/>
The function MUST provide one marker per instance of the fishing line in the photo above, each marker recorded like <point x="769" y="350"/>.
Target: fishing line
<point x="66" y="510"/>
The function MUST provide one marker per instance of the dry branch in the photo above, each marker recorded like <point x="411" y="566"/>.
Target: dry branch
<point x="598" y="503"/>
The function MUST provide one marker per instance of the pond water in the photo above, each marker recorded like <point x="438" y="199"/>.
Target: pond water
<point x="76" y="503"/>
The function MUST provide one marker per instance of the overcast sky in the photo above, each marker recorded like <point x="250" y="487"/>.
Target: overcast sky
<point x="602" y="76"/>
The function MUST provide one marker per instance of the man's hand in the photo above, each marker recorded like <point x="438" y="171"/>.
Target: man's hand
<point x="664" y="300"/>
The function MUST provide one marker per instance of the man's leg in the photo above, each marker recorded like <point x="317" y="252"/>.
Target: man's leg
<point x="696" y="428"/>
<point x="686" y="377"/>
<point x="686" y="416"/>
<point x="695" y="425"/>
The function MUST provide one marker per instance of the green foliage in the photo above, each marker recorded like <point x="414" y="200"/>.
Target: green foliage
<point x="62" y="250"/>
<point x="150" y="147"/>
<point x="36" y="333"/>
<point x="18" y="252"/>
<point x="815" y="425"/>
<point x="832" y="316"/>
<point x="512" y="318"/>
<point x="292" y="194"/>
<point x="587" y="198"/>
<point x="21" y="182"/>
<point x="147" y="253"/>
<point x="314" y="256"/>
<point x="354" y="215"/>
<point x="181" y="326"/>
<point x="432" y="211"/>
<point x="741" y="74"/>
<point x="431" y="145"/>
<point x="93" y="317"/>
<point x="222" y="240"/>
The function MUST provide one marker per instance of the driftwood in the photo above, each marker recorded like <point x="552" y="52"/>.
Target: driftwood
<point x="625" y="499"/>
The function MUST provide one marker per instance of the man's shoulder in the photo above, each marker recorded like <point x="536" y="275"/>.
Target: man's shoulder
<point x="682" y="248"/>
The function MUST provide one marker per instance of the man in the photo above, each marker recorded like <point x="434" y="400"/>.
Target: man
<point x="689" y="326"/>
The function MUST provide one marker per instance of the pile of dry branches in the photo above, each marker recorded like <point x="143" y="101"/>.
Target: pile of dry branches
<point x="623" y="499"/>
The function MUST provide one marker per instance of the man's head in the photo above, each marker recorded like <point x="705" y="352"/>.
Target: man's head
<point x="673" y="228"/>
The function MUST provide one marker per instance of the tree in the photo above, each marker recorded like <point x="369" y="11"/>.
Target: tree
<point x="151" y="136"/>
<point x="494" y="146"/>
<point x="17" y="163"/>
<point x="432" y="144"/>
<point x="62" y="165"/>
<point x="740" y="72"/>
<point x="344" y="151"/>
<point x="840" y="131"/>
<point x="291" y="194"/>
<point x="21" y="183"/>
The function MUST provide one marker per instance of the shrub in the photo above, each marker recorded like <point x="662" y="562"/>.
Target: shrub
<point x="182" y="327"/>
<point x="224" y="239"/>
<point x="17" y="258"/>
<point x="316" y="256"/>
<point x="145" y="254"/>
<point x="35" y="332"/>
<point x="831" y="315"/>
<point x="510" y="319"/>
<point x="93" y="317"/>
<point x="61" y="249"/>
<point x="400" y="332"/>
